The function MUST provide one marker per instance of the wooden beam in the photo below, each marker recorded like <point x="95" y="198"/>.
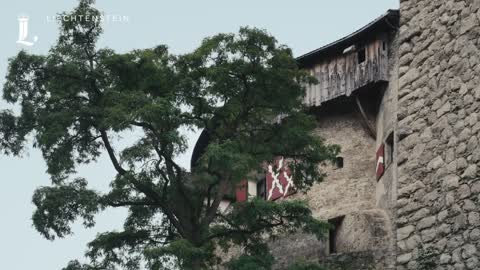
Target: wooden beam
<point x="370" y="128"/>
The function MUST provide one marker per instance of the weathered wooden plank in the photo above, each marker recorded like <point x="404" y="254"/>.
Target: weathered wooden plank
<point x="350" y="72"/>
<point x="342" y="74"/>
<point x="318" y="87"/>
<point x="325" y="80"/>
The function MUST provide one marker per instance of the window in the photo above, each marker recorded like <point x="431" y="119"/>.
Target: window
<point x="262" y="189"/>
<point x="333" y="234"/>
<point x="361" y="55"/>
<point x="332" y="248"/>
<point x="390" y="148"/>
<point x="384" y="43"/>
<point x="339" y="162"/>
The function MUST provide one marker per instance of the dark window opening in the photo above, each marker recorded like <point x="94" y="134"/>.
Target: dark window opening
<point x="262" y="189"/>
<point x="389" y="142"/>
<point x="331" y="239"/>
<point x="333" y="234"/>
<point x="361" y="55"/>
<point x="339" y="162"/>
<point x="384" y="45"/>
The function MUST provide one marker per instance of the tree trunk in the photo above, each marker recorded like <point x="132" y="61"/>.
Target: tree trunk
<point x="198" y="264"/>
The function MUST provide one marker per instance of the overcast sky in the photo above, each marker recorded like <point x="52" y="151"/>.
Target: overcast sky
<point x="302" y="24"/>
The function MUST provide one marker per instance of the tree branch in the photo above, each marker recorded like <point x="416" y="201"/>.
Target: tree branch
<point x="131" y="203"/>
<point x="149" y="192"/>
<point x="111" y="153"/>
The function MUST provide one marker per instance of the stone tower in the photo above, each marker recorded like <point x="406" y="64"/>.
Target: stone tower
<point x="438" y="205"/>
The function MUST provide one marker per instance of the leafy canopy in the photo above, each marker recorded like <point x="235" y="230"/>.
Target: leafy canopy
<point x="244" y="90"/>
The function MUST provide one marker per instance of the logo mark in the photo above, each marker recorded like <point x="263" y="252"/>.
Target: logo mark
<point x="23" y="32"/>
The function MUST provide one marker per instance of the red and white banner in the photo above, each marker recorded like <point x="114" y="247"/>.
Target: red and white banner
<point x="279" y="180"/>
<point x="380" y="167"/>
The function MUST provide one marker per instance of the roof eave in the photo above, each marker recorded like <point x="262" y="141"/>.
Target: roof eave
<point x="385" y="23"/>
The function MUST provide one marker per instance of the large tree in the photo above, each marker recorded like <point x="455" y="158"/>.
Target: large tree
<point x="244" y="90"/>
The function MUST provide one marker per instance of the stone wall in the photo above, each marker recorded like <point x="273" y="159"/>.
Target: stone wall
<point x="298" y="247"/>
<point x="438" y="216"/>
<point x="362" y="232"/>
<point x="386" y="124"/>
<point x="351" y="188"/>
<point x="386" y="119"/>
<point x="347" y="191"/>
<point x="356" y="261"/>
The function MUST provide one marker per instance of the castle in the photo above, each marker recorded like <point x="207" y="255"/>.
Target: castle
<point x="355" y="106"/>
<point x="401" y="96"/>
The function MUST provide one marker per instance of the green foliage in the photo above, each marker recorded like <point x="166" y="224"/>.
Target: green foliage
<point x="248" y="222"/>
<point x="187" y="255"/>
<point x="305" y="266"/>
<point x="75" y="265"/>
<point x="243" y="89"/>
<point x="58" y="206"/>
<point x="249" y="262"/>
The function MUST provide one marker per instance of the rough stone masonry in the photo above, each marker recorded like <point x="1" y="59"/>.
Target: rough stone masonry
<point x="438" y="204"/>
<point x="401" y="96"/>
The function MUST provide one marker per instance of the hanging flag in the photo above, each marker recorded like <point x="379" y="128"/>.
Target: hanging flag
<point x="380" y="167"/>
<point x="279" y="180"/>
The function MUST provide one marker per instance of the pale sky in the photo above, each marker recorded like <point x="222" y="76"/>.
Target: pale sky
<point x="303" y="25"/>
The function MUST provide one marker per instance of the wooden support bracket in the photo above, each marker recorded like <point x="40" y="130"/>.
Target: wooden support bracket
<point x="370" y="128"/>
